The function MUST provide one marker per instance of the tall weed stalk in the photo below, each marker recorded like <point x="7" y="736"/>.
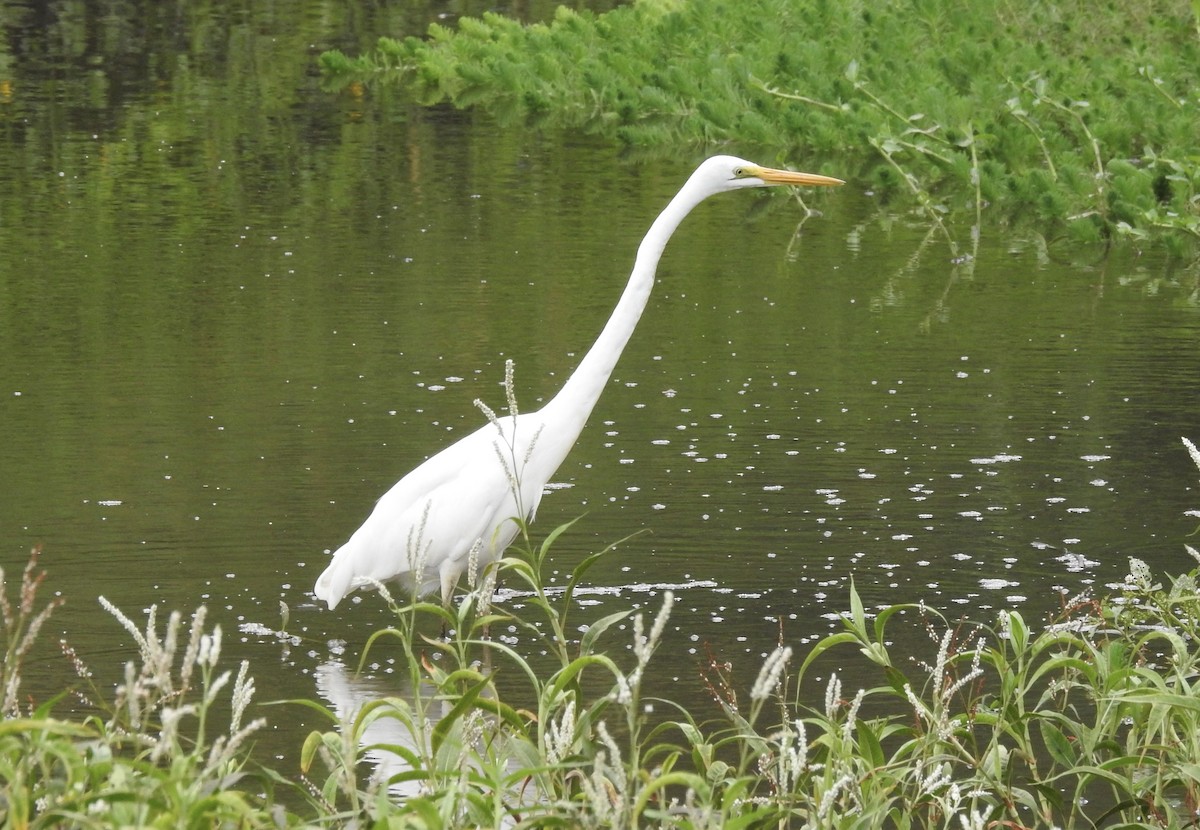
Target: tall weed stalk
<point x="151" y="755"/>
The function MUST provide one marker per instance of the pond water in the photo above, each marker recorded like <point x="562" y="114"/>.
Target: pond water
<point x="234" y="309"/>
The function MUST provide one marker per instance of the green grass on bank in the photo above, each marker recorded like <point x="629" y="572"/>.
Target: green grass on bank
<point x="1079" y="118"/>
<point x="1091" y="720"/>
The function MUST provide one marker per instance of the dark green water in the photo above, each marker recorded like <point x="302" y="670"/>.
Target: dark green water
<point x="235" y="309"/>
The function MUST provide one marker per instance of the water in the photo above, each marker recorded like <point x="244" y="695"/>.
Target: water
<point x="234" y="309"/>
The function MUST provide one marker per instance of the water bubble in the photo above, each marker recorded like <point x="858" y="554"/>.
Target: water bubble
<point x="999" y="458"/>
<point x="1076" y="562"/>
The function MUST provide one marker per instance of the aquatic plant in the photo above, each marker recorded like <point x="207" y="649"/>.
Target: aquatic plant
<point x="1090" y="721"/>
<point x="21" y="623"/>
<point x="1093" y="720"/>
<point x="1080" y="117"/>
<point x="146" y="756"/>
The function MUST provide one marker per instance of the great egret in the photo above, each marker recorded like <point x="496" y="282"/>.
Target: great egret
<point x="460" y="504"/>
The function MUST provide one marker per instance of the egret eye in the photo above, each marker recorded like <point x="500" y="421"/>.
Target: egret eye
<point x="739" y="172"/>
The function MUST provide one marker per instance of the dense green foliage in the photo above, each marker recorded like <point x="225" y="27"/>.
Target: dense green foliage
<point x="1081" y="115"/>
<point x="1092" y="721"/>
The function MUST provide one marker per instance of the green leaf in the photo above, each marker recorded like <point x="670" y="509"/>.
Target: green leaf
<point x="553" y="535"/>
<point x="587" y="643"/>
<point x="1018" y="632"/>
<point x="869" y="746"/>
<point x="1057" y="745"/>
<point x="564" y="677"/>
<point x="858" y="614"/>
<point x="823" y="646"/>
<point x="309" y="751"/>
<point x="461" y="705"/>
<point x="50" y="726"/>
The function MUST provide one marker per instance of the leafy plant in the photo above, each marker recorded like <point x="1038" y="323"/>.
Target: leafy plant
<point x="1091" y="721"/>
<point x="21" y="624"/>
<point x="148" y="760"/>
<point x="1078" y="116"/>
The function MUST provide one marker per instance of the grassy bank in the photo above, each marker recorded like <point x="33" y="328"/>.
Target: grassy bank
<point x="1091" y="720"/>
<point x="1077" y="118"/>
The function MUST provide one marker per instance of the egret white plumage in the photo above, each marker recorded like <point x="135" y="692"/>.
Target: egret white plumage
<point x="461" y="503"/>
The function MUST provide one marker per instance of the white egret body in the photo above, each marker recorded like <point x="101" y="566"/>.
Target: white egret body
<point x="461" y="502"/>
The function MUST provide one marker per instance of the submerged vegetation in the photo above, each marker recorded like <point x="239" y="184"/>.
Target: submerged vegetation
<point x="1080" y="119"/>
<point x="1093" y="720"/>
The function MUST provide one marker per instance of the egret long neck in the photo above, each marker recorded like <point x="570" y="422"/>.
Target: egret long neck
<point x="574" y="402"/>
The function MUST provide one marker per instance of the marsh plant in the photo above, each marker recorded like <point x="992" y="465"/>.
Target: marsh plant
<point x="1093" y="721"/>
<point x="150" y="754"/>
<point x="22" y="621"/>
<point x="1088" y="720"/>
<point x="1078" y="118"/>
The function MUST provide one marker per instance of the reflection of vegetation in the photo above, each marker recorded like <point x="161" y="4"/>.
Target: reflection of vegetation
<point x="1080" y="114"/>
<point x="1091" y="722"/>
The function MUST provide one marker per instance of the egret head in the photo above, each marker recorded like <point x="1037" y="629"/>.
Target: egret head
<point x="731" y="173"/>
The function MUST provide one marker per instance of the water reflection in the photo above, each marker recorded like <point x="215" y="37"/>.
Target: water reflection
<point x="391" y="738"/>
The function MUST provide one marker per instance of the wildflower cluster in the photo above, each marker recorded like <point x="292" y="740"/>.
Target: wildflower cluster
<point x="21" y="624"/>
<point x="149" y="757"/>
